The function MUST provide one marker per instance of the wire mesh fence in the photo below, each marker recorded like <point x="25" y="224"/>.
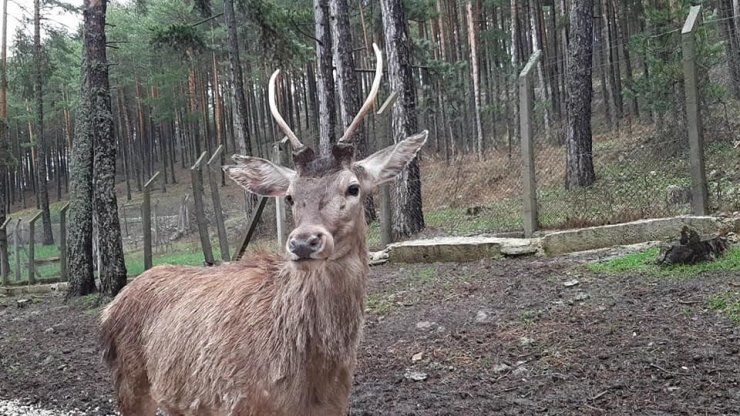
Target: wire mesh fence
<point x="640" y="148"/>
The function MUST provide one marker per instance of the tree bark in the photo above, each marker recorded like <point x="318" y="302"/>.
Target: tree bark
<point x="325" y="78"/>
<point x="43" y="192"/>
<point x="579" y="159"/>
<point x="241" y="126"/>
<point x="349" y="91"/>
<point x="475" y="72"/>
<point x="79" y="237"/>
<point x="408" y="218"/>
<point x="4" y="137"/>
<point x="112" y="270"/>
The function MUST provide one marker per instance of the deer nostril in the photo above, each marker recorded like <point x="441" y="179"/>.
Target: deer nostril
<point x="315" y="240"/>
<point x="304" y="247"/>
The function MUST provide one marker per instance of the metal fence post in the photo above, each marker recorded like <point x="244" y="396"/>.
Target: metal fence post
<point x="200" y="211"/>
<point x="213" y="166"/>
<point x="146" y="221"/>
<point x="529" y="187"/>
<point x="693" y="117"/>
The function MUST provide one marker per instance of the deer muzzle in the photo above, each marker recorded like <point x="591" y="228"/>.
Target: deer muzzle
<point x="310" y="243"/>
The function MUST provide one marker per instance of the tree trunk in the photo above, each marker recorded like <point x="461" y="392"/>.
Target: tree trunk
<point x="43" y="192"/>
<point x="324" y="77"/>
<point x="241" y="127"/>
<point x="475" y="72"/>
<point x="409" y="217"/>
<point x="623" y="34"/>
<point x="349" y="92"/>
<point x="579" y="159"/>
<point x="79" y="236"/>
<point x="601" y="45"/>
<point x="732" y="42"/>
<point x="4" y="137"/>
<point x="112" y="270"/>
<point x="613" y="53"/>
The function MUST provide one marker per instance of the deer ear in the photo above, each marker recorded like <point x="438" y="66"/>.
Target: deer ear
<point x="384" y="165"/>
<point x="260" y="176"/>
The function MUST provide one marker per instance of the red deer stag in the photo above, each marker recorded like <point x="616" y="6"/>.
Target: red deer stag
<point x="265" y="336"/>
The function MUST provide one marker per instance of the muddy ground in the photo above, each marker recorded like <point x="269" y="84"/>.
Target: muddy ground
<point x="490" y="338"/>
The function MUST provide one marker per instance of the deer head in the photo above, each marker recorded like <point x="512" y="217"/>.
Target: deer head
<point x="326" y="194"/>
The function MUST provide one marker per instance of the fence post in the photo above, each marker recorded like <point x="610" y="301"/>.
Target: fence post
<point x="17" y="246"/>
<point x="250" y="228"/>
<point x="529" y="186"/>
<point x="281" y="217"/>
<point x="213" y="167"/>
<point x="155" y="238"/>
<point x="386" y="211"/>
<point x="4" y="256"/>
<point x="146" y="220"/>
<point x="200" y="212"/>
<point x="693" y="117"/>
<point x="63" y="242"/>
<point x="32" y="248"/>
<point x="125" y="219"/>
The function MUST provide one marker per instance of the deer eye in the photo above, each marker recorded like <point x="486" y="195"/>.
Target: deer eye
<point x="289" y="200"/>
<point x="354" y="189"/>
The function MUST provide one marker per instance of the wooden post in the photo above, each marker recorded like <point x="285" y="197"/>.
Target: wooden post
<point x="63" y="242"/>
<point x="529" y="186"/>
<point x="4" y="256"/>
<point x="281" y="217"/>
<point x="125" y="219"/>
<point x="17" y="246"/>
<point x="213" y="177"/>
<point x="155" y="215"/>
<point x="250" y="229"/>
<point x="693" y="117"/>
<point x="200" y="212"/>
<point x="386" y="210"/>
<point x="146" y="221"/>
<point x="32" y="248"/>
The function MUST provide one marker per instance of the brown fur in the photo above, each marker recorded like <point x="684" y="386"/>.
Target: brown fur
<point x="266" y="336"/>
<point x="249" y="338"/>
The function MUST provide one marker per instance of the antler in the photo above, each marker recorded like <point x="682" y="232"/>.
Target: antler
<point x="294" y="141"/>
<point x="370" y="98"/>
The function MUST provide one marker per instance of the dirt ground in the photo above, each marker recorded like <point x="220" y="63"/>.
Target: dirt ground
<point x="490" y="338"/>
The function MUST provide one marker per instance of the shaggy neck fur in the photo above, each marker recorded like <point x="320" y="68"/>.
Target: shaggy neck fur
<point x="318" y="313"/>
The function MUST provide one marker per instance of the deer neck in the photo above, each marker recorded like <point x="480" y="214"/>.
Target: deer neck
<point x="319" y="313"/>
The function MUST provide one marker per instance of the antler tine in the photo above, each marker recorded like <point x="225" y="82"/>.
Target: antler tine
<point x="370" y="98"/>
<point x="294" y="141"/>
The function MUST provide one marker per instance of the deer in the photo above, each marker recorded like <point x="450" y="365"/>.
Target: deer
<point x="273" y="334"/>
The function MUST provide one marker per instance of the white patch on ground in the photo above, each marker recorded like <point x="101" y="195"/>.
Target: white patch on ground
<point x="15" y="408"/>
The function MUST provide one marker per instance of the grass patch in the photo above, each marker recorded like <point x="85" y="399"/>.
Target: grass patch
<point x="86" y="302"/>
<point x="426" y="275"/>
<point x="644" y="262"/>
<point x="187" y="255"/>
<point x="728" y="303"/>
<point x="633" y="262"/>
<point x="378" y="304"/>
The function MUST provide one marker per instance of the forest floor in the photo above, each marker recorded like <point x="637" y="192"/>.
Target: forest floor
<point x="515" y="336"/>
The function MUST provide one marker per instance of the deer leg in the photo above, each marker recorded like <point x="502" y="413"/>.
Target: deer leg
<point x="137" y="406"/>
<point x="134" y="399"/>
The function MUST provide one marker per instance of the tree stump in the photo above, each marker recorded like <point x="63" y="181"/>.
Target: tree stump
<point x="691" y="249"/>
